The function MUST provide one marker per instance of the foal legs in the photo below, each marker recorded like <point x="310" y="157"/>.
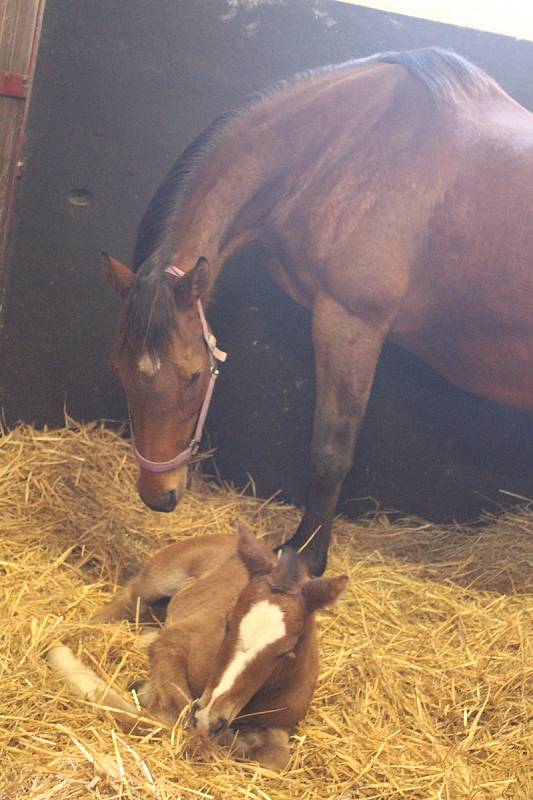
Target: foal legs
<point x="166" y="572"/>
<point x="168" y="691"/>
<point x="347" y="349"/>
<point x="268" y="746"/>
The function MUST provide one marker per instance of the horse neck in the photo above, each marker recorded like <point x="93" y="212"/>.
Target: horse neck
<point x="303" y="668"/>
<point x="210" y="223"/>
<point x="238" y="186"/>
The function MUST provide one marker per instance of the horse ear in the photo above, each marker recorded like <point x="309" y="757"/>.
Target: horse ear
<point x="194" y="284"/>
<point x="252" y="553"/>
<point x="118" y="274"/>
<point x="320" y="592"/>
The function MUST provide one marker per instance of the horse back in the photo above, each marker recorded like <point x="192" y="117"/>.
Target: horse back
<point x="416" y="217"/>
<point x="467" y="308"/>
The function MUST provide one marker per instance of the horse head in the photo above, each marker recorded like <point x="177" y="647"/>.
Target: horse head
<point x="163" y="360"/>
<point x="264" y="632"/>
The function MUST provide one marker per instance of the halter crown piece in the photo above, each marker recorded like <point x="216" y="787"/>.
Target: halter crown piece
<point x="214" y="355"/>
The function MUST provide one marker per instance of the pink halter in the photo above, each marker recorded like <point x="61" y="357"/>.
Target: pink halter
<point x="214" y="355"/>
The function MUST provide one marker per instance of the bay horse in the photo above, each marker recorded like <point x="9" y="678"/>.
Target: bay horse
<point x="392" y="197"/>
<point x="239" y="638"/>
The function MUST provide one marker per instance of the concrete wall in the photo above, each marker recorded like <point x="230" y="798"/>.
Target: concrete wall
<point x="120" y="90"/>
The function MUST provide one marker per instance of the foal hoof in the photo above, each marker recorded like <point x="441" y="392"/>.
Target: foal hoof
<point x="136" y="686"/>
<point x="143" y="690"/>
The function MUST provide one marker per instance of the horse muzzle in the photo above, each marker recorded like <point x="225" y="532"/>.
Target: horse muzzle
<point x="204" y="723"/>
<point x="162" y="492"/>
<point x="168" y="502"/>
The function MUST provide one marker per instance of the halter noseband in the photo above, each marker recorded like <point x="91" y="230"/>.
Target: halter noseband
<point x="214" y="355"/>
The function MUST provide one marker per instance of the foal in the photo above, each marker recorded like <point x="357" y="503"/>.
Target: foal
<point x="239" y="642"/>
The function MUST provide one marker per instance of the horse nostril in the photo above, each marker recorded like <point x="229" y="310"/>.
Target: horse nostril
<point x="167" y="503"/>
<point x="171" y="501"/>
<point x="217" y="726"/>
<point x="192" y="721"/>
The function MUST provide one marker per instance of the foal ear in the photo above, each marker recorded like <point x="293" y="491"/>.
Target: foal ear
<point x="320" y="592"/>
<point x="252" y="553"/>
<point x="118" y="274"/>
<point x="194" y="283"/>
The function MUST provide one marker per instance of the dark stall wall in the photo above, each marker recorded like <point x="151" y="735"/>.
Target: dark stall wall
<point x="121" y="88"/>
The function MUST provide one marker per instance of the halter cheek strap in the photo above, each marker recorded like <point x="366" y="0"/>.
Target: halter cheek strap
<point x="214" y="355"/>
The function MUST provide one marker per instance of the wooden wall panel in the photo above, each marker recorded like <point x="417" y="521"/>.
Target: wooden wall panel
<point x="17" y="24"/>
<point x="18" y="21"/>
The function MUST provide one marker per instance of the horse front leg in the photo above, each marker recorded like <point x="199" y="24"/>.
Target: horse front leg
<point x="169" y="691"/>
<point x="347" y="349"/>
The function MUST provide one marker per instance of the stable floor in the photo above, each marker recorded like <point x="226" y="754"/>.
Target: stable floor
<point x="426" y="685"/>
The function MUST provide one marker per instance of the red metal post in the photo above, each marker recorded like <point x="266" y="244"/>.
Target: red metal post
<point x="12" y="85"/>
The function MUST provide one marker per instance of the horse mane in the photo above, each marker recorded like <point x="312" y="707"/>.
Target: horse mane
<point x="149" y="313"/>
<point x="149" y="310"/>
<point x="442" y="72"/>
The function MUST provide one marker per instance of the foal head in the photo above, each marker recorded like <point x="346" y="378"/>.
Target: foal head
<point x="161" y="359"/>
<point x="264" y="632"/>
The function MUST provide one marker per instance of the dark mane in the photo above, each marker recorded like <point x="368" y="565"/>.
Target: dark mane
<point x="149" y="311"/>
<point x="442" y="72"/>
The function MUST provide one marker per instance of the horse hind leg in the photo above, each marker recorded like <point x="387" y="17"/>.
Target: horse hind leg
<point x="166" y="572"/>
<point x="347" y="348"/>
<point x="84" y="682"/>
<point x="122" y="606"/>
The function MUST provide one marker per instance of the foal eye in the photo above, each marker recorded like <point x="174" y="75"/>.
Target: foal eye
<point x="287" y="654"/>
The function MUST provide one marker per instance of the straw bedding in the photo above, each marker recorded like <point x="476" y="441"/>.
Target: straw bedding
<point x="426" y="663"/>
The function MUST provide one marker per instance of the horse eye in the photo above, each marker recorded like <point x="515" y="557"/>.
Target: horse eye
<point x="227" y="625"/>
<point x="287" y="654"/>
<point x="194" y="377"/>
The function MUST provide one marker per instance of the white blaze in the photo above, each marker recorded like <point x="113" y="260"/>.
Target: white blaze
<point x="261" y="626"/>
<point x="148" y="364"/>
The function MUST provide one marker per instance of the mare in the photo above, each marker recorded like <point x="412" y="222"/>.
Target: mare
<point x="239" y="639"/>
<point x="392" y="197"/>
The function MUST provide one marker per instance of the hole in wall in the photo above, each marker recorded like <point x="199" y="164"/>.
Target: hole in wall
<point x="80" y="197"/>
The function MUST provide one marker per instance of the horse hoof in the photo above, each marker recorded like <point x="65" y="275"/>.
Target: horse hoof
<point x="316" y="562"/>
